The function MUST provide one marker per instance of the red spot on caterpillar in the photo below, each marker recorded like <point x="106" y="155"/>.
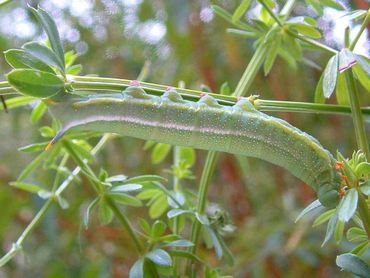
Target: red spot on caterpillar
<point x="239" y="98"/>
<point x="134" y="83"/>
<point x="203" y="94"/>
<point x="344" y="179"/>
<point x="339" y="165"/>
<point x="169" y="88"/>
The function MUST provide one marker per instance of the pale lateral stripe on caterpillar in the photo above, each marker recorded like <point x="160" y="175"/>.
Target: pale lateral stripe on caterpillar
<point x="238" y="129"/>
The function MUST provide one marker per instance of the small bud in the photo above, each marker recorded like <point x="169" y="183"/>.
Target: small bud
<point x="339" y="165"/>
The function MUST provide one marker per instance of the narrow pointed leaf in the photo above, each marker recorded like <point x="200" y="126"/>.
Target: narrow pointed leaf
<point x="44" y="54"/>
<point x="240" y="10"/>
<point x="51" y="30"/>
<point x="348" y="205"/>
<point x="137" y="270"/>
<point x="33" y="188"/>
<point x="314" y="205"/>
<point x="330" y="76"/>
<point x="20" y="59"/>
<point x="353" y="264"/>
<point x="159" y="257"/>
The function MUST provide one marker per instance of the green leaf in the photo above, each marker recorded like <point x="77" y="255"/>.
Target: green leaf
<point x="176" y="212"/>
<point x="338" y="232"/>
<point x="315" y="4"/>
<point x="202" y="218"/>
<point x="89" y="209"/>
<point x="330" y="228"/>
<point x="305" y="29"/>
<point x="159" y="206"/>
<point x="228" y="17"/>
<point x="332" y="4"/>
<point x="314" y="205"/>
<point x="361" y="248"/>
<point x="33" y="147"/>
<point x="362" y="168"/>
<point x="330" y="76"/>
<point x="70" y="57"/>
<point x="362" y="77"/>
<point x="144" y="225"/>
<point x="216" y="243"/>
<point x="187" y="155"/>
<point x="158" y="228"/>
<point x="3" y="2"/>
<point x="33" y="188"/>
<point x="159" y="257"/>
<point x="35" y="83"/>
<point x="74" y="70"/>
<point x="341" y="90"/>
<point x="82" y="151"/>
<point x="145" y="178"/>
<point x="240" y="10"/>
<point x="19" y="59"/>
<point x="17" y="101"/>
<point x="348" y="205"/>
<point x="38" y="112"/>
<point x="319" y="91"/>
<point x="356" y="234"/>
<point x="353" y="264"/>
<point x="160" y="152"/>
<point x="346" y="60"/>
<point x="51" y="30"/>
<point x="180" y="243"/>
<point x="271" y="55"/>
<point x="105" y="213"/>
<point x="125" y="199"/>
<point x="225" y="88"/>
<point x="137" y="270"/>
<point x="63" y="203"/>
<point x="47" y="132"/>
<point x="127" y="187"/>
<point x="148" y="194"/>
<point x="186" y="254"/>
<point x="355" y="15"/>
<point x="117" y="178"/>
<point x="322" y="218"/>
<point x="44" y="54"/>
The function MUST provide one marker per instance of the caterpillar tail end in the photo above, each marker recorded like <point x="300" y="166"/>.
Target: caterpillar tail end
<point x="54" y="140"/>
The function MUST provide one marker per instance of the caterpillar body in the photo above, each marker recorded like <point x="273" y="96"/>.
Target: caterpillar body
<point x="207" y="125"/>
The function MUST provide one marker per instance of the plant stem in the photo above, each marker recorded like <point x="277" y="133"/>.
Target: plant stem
<point x="125" y="222"/>
<point x="363" y="27"/>
<point x="364" y="212"/>
<point x="202" y="201"/>
<point x="358" y="120"/>
<point x="17" y="247"/>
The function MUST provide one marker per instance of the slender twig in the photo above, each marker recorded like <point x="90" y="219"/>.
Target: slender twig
<point x="363" y="27"/>
<point x="125" y="222"/>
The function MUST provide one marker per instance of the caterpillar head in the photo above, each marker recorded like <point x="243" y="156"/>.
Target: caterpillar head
<point x="328" y="193"/>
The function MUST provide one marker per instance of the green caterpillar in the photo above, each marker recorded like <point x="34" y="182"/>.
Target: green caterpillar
<point x="207" y="125"/>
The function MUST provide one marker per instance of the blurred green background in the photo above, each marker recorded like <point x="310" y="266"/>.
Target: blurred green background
<point x="181" y="40"/>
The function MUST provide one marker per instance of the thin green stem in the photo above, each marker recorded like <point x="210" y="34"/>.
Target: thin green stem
<point x="358" y="120"/>
<point x="363" y="27"/>
<point x="125" y="222"/>
<point x="105" y="85"/>
<point x="202" y="201"/>
<point x="364" y="211"/>
<point x="271" y="13"/>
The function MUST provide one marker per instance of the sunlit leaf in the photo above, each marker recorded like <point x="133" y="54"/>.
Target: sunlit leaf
<point x="348" y="205"/>
<point x="33" y="188"/>
<point x="51" y="30"/>
<point x="353" y="264"/>
<point x="35" y="83"/>
<point x="160" y="257"/>
<point x="19" y="59"/>
<point x="38" y="112"/>
<point x="240" y="10"/>
<point x="330" y="76"/>
<point x="160" y="152"/>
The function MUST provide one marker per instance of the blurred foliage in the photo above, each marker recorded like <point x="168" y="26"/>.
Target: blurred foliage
<point x="184" y="41"/>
